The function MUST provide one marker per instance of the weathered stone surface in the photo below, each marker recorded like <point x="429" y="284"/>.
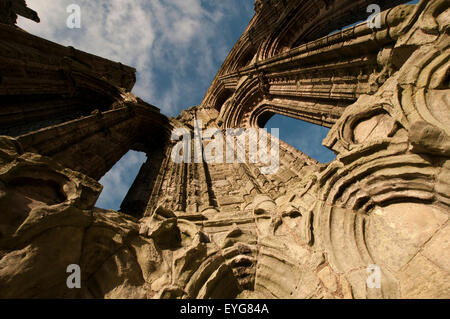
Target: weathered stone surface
<point x="396" y="233"/>
<point x="226" y="230"/>
<point x="423" y="279"/>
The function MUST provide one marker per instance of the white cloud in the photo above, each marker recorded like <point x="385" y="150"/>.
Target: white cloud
<point x="175" y="45"/>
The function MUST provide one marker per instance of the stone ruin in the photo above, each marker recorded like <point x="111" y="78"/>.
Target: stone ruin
<point x="225" y="230"/>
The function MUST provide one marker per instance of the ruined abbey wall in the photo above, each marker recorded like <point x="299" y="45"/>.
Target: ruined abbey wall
<point x="200" y="229"/>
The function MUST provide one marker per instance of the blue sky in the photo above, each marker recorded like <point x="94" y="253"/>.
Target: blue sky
<point x="177" y="47"/>
<point x="304" y="136"/>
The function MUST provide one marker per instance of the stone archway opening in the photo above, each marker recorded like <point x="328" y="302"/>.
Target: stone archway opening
<point x="304" y="136"/>
<point x="119" y="179"/>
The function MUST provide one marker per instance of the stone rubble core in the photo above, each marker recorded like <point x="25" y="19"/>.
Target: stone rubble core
<point x="199" y="230"/>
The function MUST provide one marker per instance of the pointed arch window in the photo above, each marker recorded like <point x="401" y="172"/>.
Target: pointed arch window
<point x="304" y="136"/>
<point x="118" y="180"/>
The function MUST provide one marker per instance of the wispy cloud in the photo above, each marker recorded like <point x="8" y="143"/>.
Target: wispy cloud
<point x="177" y="46"/>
